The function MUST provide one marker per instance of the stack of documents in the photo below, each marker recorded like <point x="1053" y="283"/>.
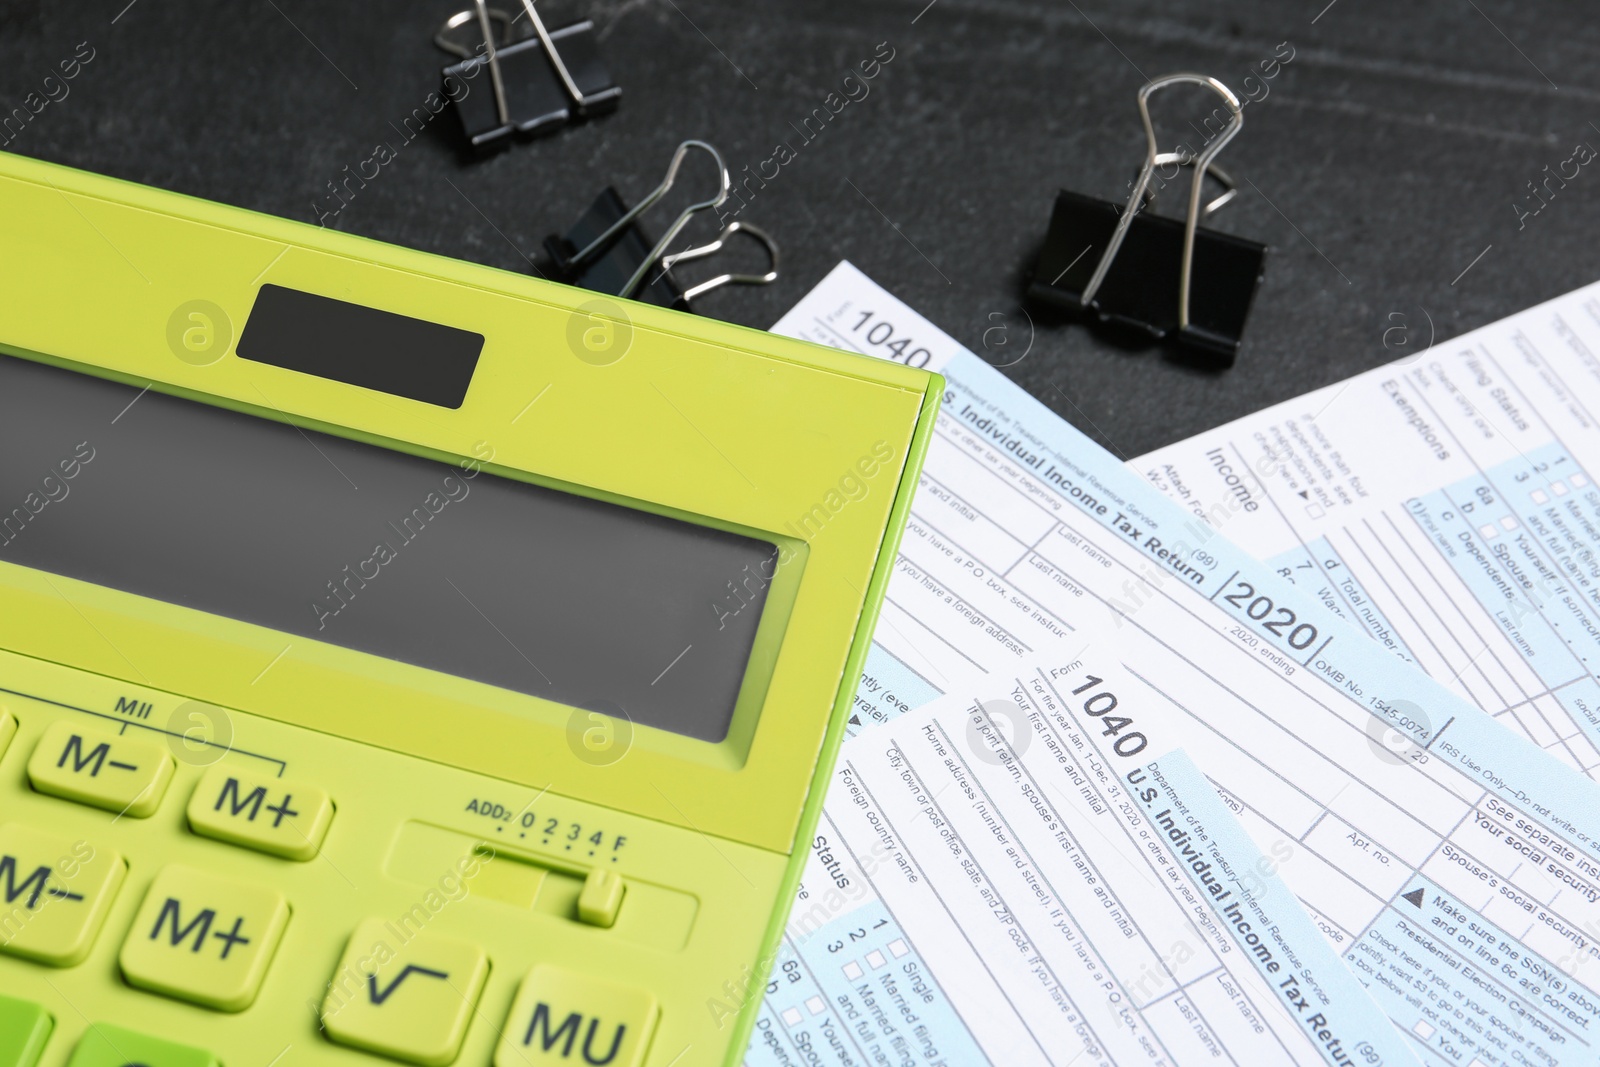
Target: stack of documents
<point x="1270" y="747"/>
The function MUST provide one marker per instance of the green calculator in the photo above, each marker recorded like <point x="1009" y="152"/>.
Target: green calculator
<point x="405" y="661"/>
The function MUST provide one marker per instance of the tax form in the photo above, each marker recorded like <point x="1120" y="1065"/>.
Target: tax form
<point x="1452" y="863"/>
<point x="1445" y="503"/>
<point x="1043" y="897"/>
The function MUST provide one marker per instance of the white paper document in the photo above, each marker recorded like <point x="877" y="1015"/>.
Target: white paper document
<point x="1454" y="865"/>
<point x="1446" y="504"/>
<point x="1039" y="898"/>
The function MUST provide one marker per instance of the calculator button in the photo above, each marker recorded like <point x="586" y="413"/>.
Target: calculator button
<point x="562" y="1017"/>
<point x="104" y="770"/>
<point x="112" y="1046"/>
<point x="287" y="819"/>
<point x="601" y="898"/>
<point x="204" y="939"/>
<point x="56" y="894"/>
<point x="8" y="730"/>
<point x="414" y="1005"/>
<point x="24" y="1028"/>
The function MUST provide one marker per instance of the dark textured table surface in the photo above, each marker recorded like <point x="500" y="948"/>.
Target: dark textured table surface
<point x="1387" y="163"/>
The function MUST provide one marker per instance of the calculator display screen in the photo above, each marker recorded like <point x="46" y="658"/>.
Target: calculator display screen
<point x="587" y="603"/>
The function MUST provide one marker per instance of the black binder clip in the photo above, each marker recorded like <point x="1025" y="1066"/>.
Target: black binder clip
<point x="1170" y="279"/>
<point x="607" y="250"/>
<point x="535" y="86"/>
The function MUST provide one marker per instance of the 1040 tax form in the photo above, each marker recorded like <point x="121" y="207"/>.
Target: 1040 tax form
<point x="1456" y="871"/>
<point x="1069" y="898"/>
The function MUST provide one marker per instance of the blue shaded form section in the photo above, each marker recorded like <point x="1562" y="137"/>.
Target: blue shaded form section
<point x="1320" y="571"/>
<point x="856" y="992"/>
<point x="888" y="690"/>
<point x="1470" y="992"/>
<point x="1554" y="498"/>
<point x="1525" y="539"/>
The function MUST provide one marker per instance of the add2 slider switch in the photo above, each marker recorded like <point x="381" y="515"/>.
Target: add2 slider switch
<point x="601" y="898"/>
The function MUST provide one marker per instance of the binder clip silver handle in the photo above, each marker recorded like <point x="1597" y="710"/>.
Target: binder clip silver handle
<point x="487" y="18"/>
<point x="1201" y="163"/>
<point x="659" y="252"/>
<point x="1230" y="188"/>
<point x="764" y="238"/>
<point x="444" y="37"/>
<point x="555" y="55"/>
<point x="609" y="251"/>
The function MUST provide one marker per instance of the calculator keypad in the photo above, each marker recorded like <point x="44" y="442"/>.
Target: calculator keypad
<point x="103" y="770"/>
<point x="204" y="939"/>
<point x="562" y="1017"/>
<point x="58" y="893"/>
<point x="410" y="995"/>
<point x="403" y="994"/>
<point x="285" y="819"/>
